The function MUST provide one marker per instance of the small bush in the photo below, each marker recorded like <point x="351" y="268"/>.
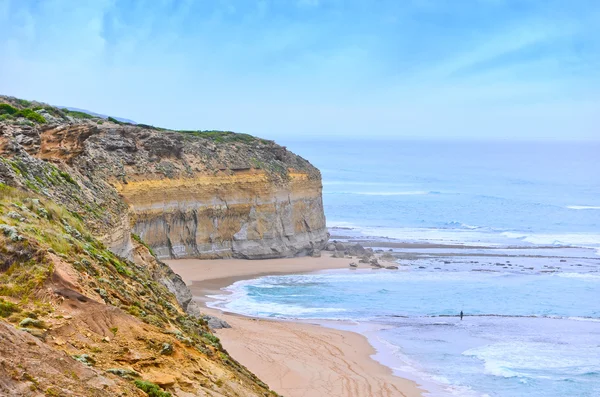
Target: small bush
<point x="212" y="338"/>
<point x="31" y="115"/>
<point x="67" y="177"/>
<point x="153" y="390"/>
<point x="8" y="308"/>
<point x="112" y="119"/>
<point x="78" y="115"/>
<point x="24" y="102"/>
<point x="5" y="108"/>
<point x="139" y="240"/>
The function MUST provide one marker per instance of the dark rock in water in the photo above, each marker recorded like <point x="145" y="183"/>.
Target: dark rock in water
<point x="447" y="262"/>
<point x="390" y="250"/>
<point x="378" y="251"/>
<point x="422" y="267"/>
<point x="215" y="322"/>
<point x="392" y="267"/>
<point x="563" y="260"/>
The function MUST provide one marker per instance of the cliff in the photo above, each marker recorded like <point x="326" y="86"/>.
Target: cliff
<point x="186" y="194"/>
<point x="87" y="209"/>
<point x="77" y="320"/>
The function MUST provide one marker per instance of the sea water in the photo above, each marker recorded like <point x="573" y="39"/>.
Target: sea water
<point x="526" y="332"/>
<point x="487" y="193"/>
<point x="531" y="334"/>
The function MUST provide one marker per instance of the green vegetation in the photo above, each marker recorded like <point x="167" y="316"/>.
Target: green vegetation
<point x="112" y="119"/>
<point x="78" y="115"/>
<point x="139" y="240"/>
<point x="24" y="102"/>
<point x="5" y="108"/>
<point x="67" y="177"/>
<point x="213" y="339"/>
<point x="224" y="136"/>
<point x="31" y="115"/>
<point x="153" y="390"/>
<point x="8" y="308"/>
<point x="8" y="110"/>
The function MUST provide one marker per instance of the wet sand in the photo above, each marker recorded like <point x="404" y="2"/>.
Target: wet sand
<point x="296" y="359"/>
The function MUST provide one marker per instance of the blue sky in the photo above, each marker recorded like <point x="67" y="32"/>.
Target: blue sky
<point x="526" y="69"/>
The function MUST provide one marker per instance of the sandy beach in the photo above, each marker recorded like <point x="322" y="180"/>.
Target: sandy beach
<point x="295" y="359"/>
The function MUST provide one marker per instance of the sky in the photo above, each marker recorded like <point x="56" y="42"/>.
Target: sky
<point x="431" y="69"/>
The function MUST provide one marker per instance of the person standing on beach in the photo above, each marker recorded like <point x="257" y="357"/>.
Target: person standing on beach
<point x="461" y="315"/>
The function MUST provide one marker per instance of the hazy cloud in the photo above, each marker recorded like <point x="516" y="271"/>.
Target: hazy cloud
<point x="432" y="68"/>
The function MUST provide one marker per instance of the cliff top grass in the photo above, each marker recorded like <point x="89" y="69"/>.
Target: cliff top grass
<point x="15" y="110"/>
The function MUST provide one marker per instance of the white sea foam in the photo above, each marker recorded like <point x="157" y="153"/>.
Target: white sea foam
<point x="582" y="276"/>
<point x="237" y="300"/>
<point x="583" y="207"/>
<point x="564" y="239"/>
<point x="406" y="367"/>
<point x="528" y="359"/>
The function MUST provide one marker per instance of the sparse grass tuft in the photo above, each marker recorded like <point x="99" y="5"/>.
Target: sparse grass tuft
<point x="151" y="389"/>
<point x="78" y="115"/>
<point x="8" y="308"/>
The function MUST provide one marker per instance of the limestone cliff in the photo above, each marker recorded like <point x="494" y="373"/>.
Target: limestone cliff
<point x="86" y="306"/>
<point x="186" y="194"/>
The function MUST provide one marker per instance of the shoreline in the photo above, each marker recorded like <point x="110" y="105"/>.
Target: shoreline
<point x="295" y="358"/>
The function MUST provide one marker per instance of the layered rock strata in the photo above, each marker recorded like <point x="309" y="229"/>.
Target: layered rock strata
<point x="186" y="194"/>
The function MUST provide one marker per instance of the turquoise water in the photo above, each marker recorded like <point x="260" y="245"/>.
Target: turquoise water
<point x="526" y="332"/>
<point x="523" y="334"/>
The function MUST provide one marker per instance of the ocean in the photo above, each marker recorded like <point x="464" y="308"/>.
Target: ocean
<point x="527" y="279"/>
<point x="505" y="193"/>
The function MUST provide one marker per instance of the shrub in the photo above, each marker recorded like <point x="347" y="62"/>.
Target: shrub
<point x="153" y="390"/>
<point x="112" y="119"/>
<point x="212" y="338"/>
<point x="79" y="115"/>
<point x="5" y="108"/>
<point x="24" y="102"/>
<point x="139" y="240"/>
<point x="31" y="115"/>
<point x="7" y="308"/>
<point x="67" y="177"/>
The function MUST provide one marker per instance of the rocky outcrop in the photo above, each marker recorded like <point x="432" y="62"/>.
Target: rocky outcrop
<point x="186" y="194"/>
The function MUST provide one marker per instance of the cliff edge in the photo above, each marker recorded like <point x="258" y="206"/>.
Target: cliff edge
<point x="203" y="194"/>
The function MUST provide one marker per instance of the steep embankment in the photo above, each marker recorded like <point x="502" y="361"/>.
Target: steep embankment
<point x="86" y="308"/>
<point x="187" y="194"/>
<point x="87" y="322"/>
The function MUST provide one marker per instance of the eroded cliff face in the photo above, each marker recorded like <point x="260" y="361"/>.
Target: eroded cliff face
<point x="186" y="194"/>
<point x="243" y="214"/>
